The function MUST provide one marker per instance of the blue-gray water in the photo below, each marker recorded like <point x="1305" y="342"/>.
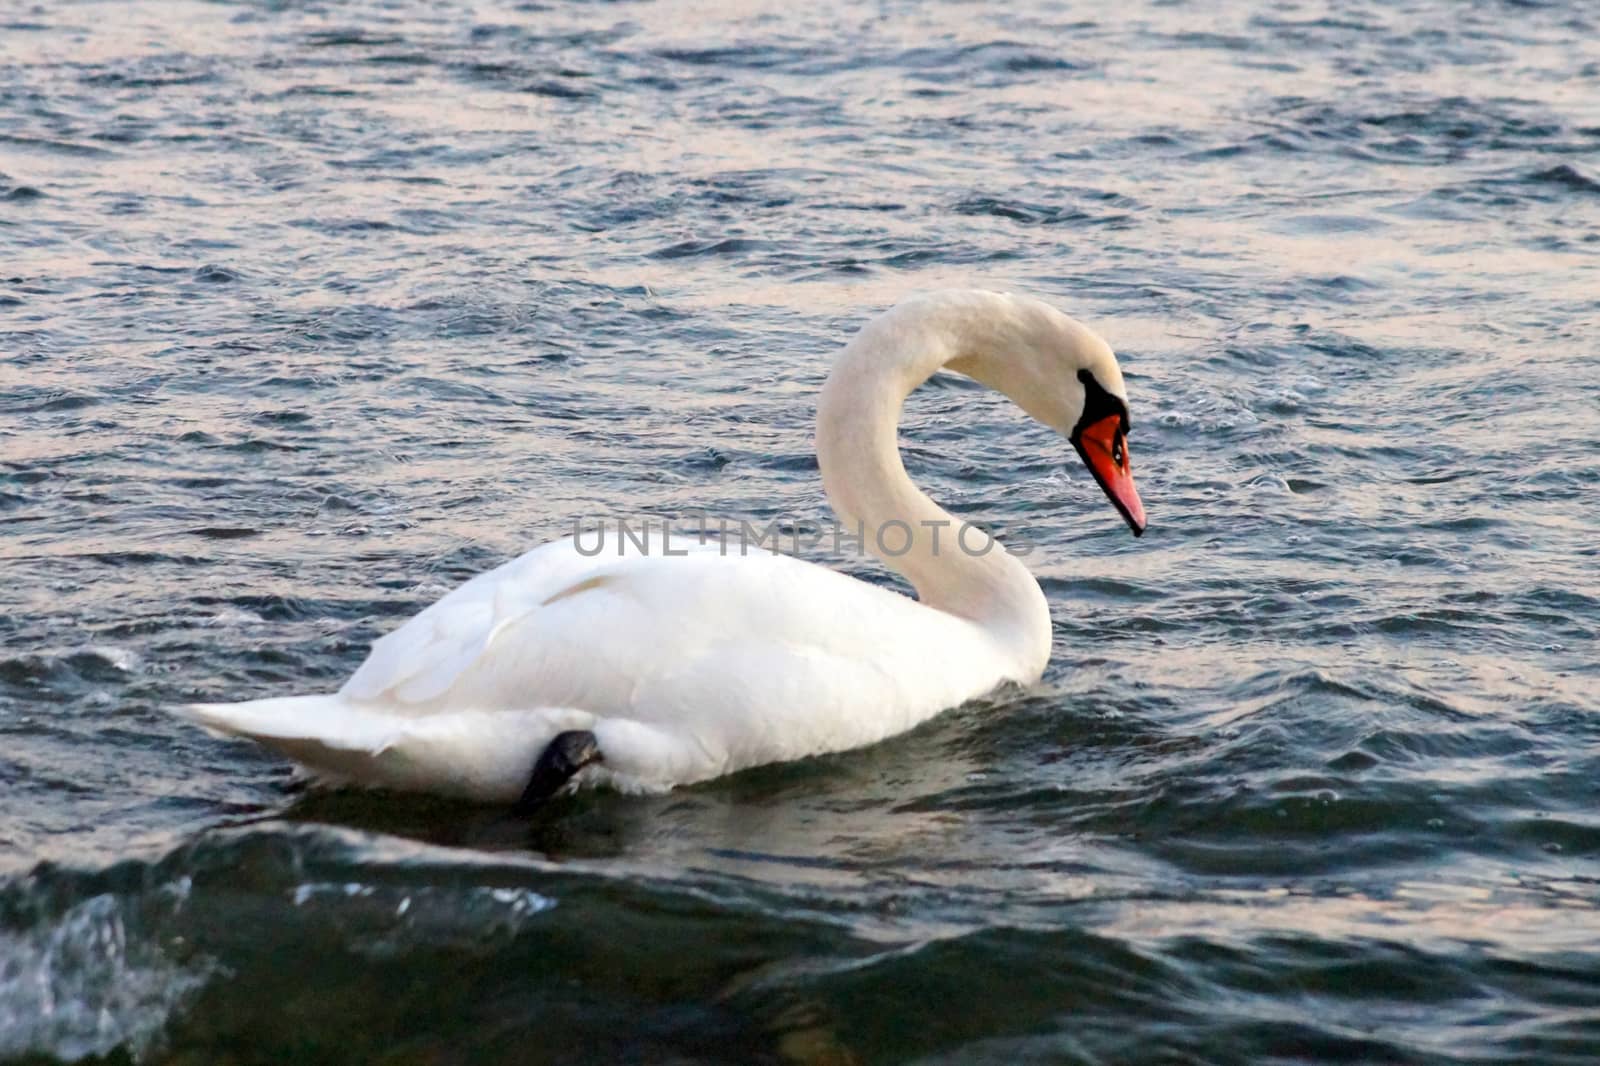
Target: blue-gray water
<point x="309" y="310"/>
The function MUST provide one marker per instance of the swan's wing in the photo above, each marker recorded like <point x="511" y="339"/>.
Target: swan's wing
<point x="414" y="665"/>
<point x="423" y="658"/>
<point x="675" y="640"/>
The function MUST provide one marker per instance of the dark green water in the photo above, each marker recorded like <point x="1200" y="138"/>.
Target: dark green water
<point x="308" y="311"/>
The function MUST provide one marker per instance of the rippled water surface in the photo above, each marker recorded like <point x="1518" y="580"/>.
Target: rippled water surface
<point x="310" y="310"/>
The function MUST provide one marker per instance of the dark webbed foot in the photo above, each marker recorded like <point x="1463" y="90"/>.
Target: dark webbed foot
<point x="565" y="755"/>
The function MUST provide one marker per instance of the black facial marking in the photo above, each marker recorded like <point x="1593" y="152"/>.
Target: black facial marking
<point x="1098" y="404"/>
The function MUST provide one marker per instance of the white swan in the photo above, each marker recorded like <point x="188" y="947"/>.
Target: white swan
<point x="645" y="670"/>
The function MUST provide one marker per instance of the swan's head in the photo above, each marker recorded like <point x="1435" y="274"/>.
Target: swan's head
<point x="1063" y="374"/>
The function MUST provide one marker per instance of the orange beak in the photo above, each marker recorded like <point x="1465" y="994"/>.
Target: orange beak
<point x="1104" y="450"/>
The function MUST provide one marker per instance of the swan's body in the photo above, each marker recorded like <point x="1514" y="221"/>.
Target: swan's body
<point x="689" y="660"/>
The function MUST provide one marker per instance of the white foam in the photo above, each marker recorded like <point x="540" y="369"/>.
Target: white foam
<point x="82" y="986"/>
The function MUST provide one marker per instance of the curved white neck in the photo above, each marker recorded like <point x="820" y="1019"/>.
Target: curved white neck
<point x="858" y="416"/>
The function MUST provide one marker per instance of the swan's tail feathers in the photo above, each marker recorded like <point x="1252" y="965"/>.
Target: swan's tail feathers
<point x="478" y="755"/>
<point x="322" y="733"/>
